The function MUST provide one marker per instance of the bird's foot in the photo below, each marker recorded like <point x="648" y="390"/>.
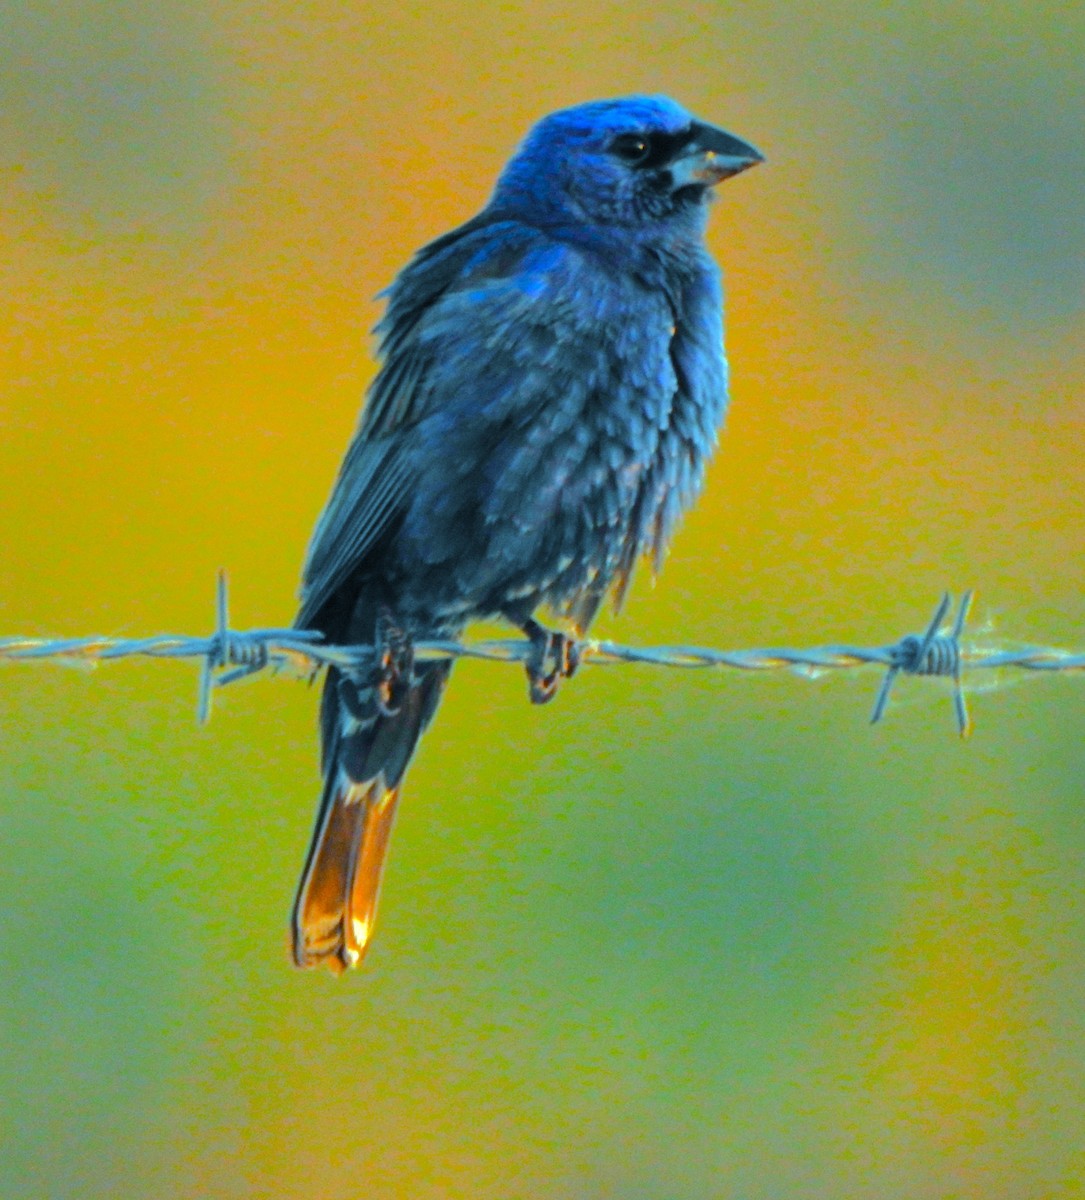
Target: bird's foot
<point x="554" y="656"/>
<point x="394" y="654"/>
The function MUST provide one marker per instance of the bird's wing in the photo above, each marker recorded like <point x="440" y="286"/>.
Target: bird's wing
<point x="367" y="494"/>
<point x="467" y="298"/>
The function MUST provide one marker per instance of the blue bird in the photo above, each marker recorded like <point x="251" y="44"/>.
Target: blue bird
<point x="552" y="384"/>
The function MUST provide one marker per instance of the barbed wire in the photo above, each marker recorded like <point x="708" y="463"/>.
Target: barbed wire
<point x="231" y="654"/>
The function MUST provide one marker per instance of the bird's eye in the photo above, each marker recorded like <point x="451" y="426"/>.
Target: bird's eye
<point x="630" y="148"/>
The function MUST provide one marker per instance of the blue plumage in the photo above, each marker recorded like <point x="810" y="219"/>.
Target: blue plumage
<point x="553" y="381"/>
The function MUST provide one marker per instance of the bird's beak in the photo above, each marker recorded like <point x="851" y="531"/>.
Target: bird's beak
<point x="713" y="156"/>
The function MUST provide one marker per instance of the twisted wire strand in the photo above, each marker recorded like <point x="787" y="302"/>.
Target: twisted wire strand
<point x="231" y="654"/>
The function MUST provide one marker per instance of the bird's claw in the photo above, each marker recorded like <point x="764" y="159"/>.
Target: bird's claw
<point x="394" y="653"/>
<point x="554" y="656"/>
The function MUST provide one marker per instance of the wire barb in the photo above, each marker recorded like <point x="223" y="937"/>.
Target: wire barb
<point x="932" y="653"/>
<point x="247" y="652"/>
<point x="231" y="654"/>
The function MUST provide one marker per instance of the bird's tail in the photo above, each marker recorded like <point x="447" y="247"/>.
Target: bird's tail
<point x="365" y="752"/>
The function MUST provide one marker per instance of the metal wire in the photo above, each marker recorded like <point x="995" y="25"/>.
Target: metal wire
<point x="230" y="654"/>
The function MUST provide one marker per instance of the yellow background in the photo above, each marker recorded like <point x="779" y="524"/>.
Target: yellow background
<point x="677" y="936"/>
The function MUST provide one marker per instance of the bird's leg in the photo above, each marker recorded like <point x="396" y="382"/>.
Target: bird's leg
<point x="554" y="655"/>
<point x="394" y="657"/>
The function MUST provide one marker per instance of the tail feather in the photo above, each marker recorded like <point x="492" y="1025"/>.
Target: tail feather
<point x="365" y="755"/>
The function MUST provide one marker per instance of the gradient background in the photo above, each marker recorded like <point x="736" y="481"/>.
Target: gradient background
<point x="677" y="936"/>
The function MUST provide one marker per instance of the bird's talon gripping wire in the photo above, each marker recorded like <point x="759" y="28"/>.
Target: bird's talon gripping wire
<point x="570" y="657"/>
<point x="554" y="656"/>
<point x="394" y="653"/>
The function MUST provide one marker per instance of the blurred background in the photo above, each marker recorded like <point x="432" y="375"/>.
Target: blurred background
<point x="676" y="936"/>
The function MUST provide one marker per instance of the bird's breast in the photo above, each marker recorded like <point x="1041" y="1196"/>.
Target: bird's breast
<point x="561" y="471"/>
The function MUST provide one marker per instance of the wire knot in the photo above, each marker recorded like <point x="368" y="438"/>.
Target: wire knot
<point x="940" y="656"/>
<point x="930" y="653"/>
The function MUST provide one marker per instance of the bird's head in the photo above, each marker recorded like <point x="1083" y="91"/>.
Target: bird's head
<point x="636" y="161"/>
